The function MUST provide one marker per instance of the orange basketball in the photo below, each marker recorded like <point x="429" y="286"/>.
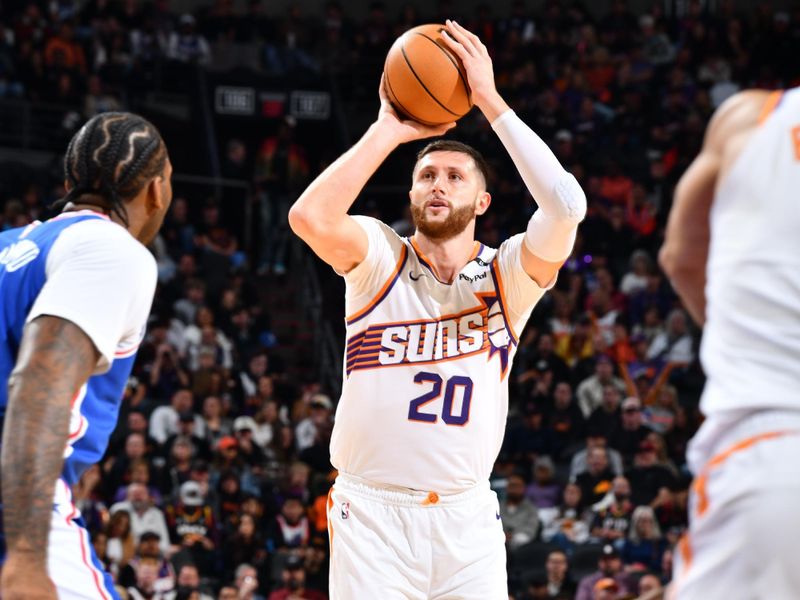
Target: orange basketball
<point x="424" y="80"/>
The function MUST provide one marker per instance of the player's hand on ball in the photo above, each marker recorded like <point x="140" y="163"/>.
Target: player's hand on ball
<point x="475" y="58"/>
<point x="405" y="130"/>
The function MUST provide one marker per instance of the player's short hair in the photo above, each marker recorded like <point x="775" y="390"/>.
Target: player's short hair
<point x="456" y="146"/>
<point x="110" y="160"/>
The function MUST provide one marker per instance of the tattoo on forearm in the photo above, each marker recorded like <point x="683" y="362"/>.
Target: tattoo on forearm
<point x="56" y="357"/>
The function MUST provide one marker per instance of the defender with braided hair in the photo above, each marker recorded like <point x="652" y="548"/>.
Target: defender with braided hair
<point x="75" y="293"/>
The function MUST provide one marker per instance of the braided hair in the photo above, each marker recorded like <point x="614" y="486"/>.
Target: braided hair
<point x="110" y="160"/>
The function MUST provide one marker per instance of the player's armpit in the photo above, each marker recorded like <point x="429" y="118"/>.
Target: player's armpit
<point x="55" y="359"/>
<point x="540" y="270"/>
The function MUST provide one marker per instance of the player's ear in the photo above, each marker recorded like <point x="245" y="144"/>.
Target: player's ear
<point x="155" y="194"/>
<point x="484" y="200"/>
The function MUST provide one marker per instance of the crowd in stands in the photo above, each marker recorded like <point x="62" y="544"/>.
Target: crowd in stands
<point x="215" y="481"/>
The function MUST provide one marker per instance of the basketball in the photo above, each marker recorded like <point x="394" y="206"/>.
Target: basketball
<point x="424" y="80"/>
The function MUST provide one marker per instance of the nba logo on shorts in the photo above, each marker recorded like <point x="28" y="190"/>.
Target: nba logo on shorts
<point x="345" y="510"/>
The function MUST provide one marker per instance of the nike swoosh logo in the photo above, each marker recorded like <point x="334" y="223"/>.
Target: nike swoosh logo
<point x="411" y="276"/>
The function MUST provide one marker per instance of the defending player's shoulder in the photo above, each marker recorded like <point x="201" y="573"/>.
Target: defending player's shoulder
<point x="110" y="245"/>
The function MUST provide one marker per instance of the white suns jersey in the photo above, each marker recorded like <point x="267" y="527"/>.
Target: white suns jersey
<point x="425" y="392"/>
<point x="751" y="342"/>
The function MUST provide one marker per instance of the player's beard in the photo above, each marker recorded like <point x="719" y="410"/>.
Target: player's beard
<point x="456" y="222"/>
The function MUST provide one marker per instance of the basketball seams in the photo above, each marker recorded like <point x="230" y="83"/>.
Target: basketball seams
<point x="395" y="99"/>
<point x="452" y="60"/>
<point x="422" y="83"/>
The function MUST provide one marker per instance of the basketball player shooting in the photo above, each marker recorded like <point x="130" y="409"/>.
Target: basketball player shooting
<point x="76" y="291"/>
<point x="432" y="326"/>
<point x="731" y="251"/>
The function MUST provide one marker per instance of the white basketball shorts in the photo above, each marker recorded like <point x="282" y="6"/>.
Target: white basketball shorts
<point x="743" y="512"/>
<point x="71" y="560"/>
<point x="393" y="543"/>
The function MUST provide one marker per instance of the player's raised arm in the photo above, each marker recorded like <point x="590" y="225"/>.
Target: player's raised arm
<point x="562" y="203"/>
<point x="55" y="359"/>
<point x="685" y="251"/>
<point x="320" y="216"/>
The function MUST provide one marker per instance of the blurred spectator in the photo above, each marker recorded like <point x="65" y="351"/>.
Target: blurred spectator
<point x="188" y="580"/>
<point x="193" y="528"/>
<point x="294" y="582"/>
<point x="542" y="360"/>
<point x="144" y="587"/>
<point x="608" y="416"/>
<point x="244" y="428"/>
<point x="87" y="497"/>
<point x="98" y="100"/>
<point x="138" y="472"/>
<point x="318" y="455"/>
<point x="267" y="421"/>
<point x="187" y="423"/>
<point x="120" y="544"/>
<point x="230" y="498"/>
<point x="167" y="378"/>
<point x="543" y="491"/>
<point x="518" y="514"/>
<point x="321" y="408"/>
<point x="194" y="295"/>
<point x="559" y="582"/>
<point x="595" y="438"/>
<point x="609" y="567"/>
<point x="62" y="52"/>
<point x="135" y="422"/>
<point x="217" y="425"/>
<point x="660" y="416"/>
<point x="159" y="576"/>
<point x="245" y="545"/>
<point x="647" y="476"/>
<point x="590" y="391"/>
<point x="247" y="583"/>
<point x="290" y="529"/>
<point x="566" y="421"/>
<point x="595" y="482"/>
<point x="675" y="344"/>
<point x="649" y="586"/>
<point x="645" y="544"/>
<point x="228" y="592"/>
<point x="530" y="438"/>
<point x="285" y="52"/>
<point x="605" y="589"/>
<point x="631" y="431"/>
<point x="164" y="422"/>
<point x="186" y="45"/>
<point x="281" y="172"/>
<point x="144" y="516"/>
<point x="611" y="517"/>
<point x="118" y="468"/>
<point x="179" y="465"/>
<point x="566" y="524"/>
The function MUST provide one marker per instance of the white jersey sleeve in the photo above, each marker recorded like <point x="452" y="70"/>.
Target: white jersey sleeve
<point x="385" y="251"/>
<point x="102" y="280"/>
<point x="520" y="291"/>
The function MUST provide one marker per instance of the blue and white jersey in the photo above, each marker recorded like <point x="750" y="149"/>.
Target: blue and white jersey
<point x="82" y="267"/>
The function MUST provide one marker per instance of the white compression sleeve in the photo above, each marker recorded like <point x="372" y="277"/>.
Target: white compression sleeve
<point x="562" y="203"/>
